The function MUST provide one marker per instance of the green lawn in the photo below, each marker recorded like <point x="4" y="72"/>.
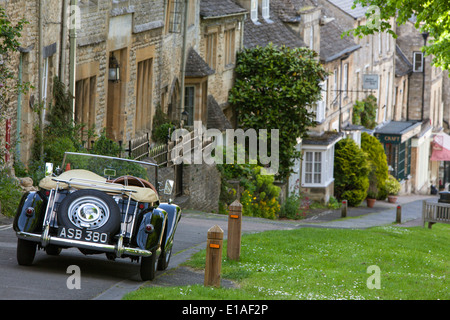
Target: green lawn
<point x="328" y="264"/>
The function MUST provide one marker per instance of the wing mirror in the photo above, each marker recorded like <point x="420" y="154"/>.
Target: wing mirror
<point x="168" y="188"/>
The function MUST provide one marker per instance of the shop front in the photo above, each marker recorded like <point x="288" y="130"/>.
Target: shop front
<point x="398" y="139"/>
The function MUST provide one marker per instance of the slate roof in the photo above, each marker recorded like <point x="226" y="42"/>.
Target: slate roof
<point x="398" y="127"/>
<point x="402" y="64"/>
<point x="346" y="6"/>
<point x="216" y="117"/>
<point x="332" y="46"/>
<point x="327" y="138"/>
<point x="219" y="8"/>
<point x="196" y="67"/>
<point x="264" y="32"/>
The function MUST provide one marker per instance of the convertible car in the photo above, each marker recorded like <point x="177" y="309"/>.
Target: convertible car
<point x="100" y="204"/>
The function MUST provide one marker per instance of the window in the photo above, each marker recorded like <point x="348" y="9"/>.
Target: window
<point x="335" y="89"/>
<point x="345" y="84"/>
<point x="173" y="16"/>
<point x="418" y="61"/>
<point x="266" y="9"/>
<point x="189" y="104"/>
<point x="85" y="103"/>
<point x="379" y="43"/>
<point x="318" y="167"/>
<point x="311" y="38"/>
<point x="322" y="104"/>
<point x="211" y="49"/>
<point x="230" y="46"/>
<point x="254" y="10"/>
<point x="143" y="116"/>
<point x="386" y="96"/>
<point x="388" y="39"/>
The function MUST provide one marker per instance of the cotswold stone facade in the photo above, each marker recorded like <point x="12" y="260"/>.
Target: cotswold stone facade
<point x="36" y="62"/>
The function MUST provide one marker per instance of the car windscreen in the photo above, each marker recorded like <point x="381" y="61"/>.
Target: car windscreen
<point x="110" y="167"/>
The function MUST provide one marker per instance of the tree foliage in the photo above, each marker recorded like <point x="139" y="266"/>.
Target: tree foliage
<point x="429" y="16"/>
<point x="379" y="170"/>
<point x="274" y="85"/>
<point x="351" y="169"/>
<point x="364" y="112"/>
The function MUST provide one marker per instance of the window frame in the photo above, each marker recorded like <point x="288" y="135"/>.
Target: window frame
<point x="415" y="60"/>
<point x="265" y="9"/>
<point x="254" y="10"/>
<point x="326" y="166"/>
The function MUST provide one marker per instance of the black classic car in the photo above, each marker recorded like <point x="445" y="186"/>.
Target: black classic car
<point x="99" y="204"/>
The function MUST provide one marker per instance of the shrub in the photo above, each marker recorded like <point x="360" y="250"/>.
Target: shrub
<point x="10" y="194"/>
<point x="294" y="207"/>
<point x="379" y="170"/>
<point x="260" y="195"/>
<point x="351" y="171"/>
<point x="392" y="186"/>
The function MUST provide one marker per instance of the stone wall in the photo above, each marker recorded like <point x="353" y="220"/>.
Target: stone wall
<point x="202" y="184"/>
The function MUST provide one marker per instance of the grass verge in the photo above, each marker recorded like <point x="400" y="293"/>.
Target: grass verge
<point x="328" y="264"/>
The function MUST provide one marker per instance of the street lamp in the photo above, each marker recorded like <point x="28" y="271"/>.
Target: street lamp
<point x="184" y="117"/>
<point x="114" y="69"/>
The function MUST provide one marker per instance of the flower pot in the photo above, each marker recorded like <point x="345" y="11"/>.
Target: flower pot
<point x="392" y="199"/>
<point x="370" y="202"/>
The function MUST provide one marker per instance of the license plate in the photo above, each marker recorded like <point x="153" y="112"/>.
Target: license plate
<point x="83" y="235"/>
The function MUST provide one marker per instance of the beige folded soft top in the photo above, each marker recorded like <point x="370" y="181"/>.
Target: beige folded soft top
<point x="84" y="179"/>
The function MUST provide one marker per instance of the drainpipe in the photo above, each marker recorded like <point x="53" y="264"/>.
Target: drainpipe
<point x="40" y="62"/>
<point x="63" y="60"/>
<point x="73" y="56"/>
<point x="183" y="57"/>
<point x="19" y="108"/>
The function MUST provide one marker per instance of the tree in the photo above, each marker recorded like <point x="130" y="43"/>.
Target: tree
<point x="274" y="85"/>
<point x="379" y="170"/>
<point x="430" y="16"/>
<point x="351" y="169"/>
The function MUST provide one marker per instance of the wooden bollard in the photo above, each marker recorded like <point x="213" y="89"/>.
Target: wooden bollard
<point x="399" y="214"/>
<point x="344" y="208"/>
<point x="213" y="265"/>
<point x="234" y="231"/>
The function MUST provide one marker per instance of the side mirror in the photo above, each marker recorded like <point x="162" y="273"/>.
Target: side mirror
<point x="168" y="188"/>
<point x="48" y="169"/>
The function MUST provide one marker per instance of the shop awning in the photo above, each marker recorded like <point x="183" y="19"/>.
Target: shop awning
<point x="397" y="132"/>
<point x="441" y="147"/>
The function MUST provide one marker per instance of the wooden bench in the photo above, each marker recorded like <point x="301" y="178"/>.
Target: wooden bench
<point x="433" y="212"/>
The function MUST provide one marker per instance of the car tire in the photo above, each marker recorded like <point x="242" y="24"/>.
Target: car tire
<point x="26" y="251"/>
<point x="105" y="217"/>
<point x="148" y="267"/>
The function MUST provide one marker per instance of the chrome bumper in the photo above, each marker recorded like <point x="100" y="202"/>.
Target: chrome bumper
<point x="118" y="249"/>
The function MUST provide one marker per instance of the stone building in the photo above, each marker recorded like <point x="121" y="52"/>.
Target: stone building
<point x="37" y="61"/>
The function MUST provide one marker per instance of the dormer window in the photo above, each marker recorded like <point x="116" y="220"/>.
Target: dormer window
<point x="254" y="11"/>
<point x="266" y="9"/>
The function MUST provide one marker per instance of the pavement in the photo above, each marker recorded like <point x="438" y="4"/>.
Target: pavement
<point x="361" y="217"/>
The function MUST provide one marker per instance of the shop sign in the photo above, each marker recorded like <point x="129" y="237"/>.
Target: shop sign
<point x="389" y="138"/>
